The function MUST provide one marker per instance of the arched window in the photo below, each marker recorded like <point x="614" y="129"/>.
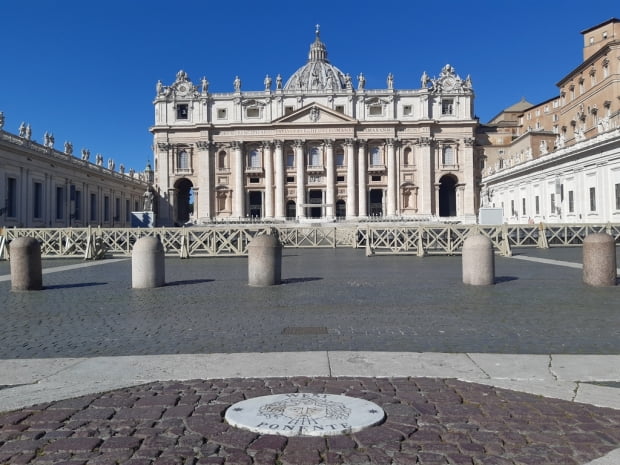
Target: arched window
<point x="222" y="160"/>
<point x="375" y="156"/>
<point x="407" y="159"/>
<point x="254" y="161"/>
<point x="339" y="158"/>
<point x="314" y="158"/>
<point x="291" y="209"/>
<point x="183" y="160"/>
<point x="448" y="156"/>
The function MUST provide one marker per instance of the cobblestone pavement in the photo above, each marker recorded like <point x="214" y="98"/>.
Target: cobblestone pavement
<point x="429" y="421"/>
<point x="330" y="300"/>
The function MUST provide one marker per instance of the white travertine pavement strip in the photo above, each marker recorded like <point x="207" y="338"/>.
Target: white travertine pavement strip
<point x="555" y="376"/>
<point x="56" y="269"/>
<point x="549" y="261"/>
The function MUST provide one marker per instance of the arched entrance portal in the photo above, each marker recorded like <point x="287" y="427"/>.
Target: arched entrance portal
<point x="375" y="200"/>
<point x="447" y="196"/>
<point x="291" y="210"/>
<point x="184" y="200"/>
<point x="256" y="204"/>
<point x="315" y="196"/>
<point x="341" y="209"/>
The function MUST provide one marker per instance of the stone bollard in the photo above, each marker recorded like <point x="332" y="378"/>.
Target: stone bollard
<point x="148" y="263"/>
<point x="599" y="260"/>
<point x="25" y="262"/>
<point x="264" y="261"/>
<point x="478" y="261"/>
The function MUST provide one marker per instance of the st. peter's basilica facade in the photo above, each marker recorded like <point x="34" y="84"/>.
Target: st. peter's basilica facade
<point x="316" y="147"/>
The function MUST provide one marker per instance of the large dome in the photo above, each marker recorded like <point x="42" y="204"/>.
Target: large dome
<point x="318" y="74"/>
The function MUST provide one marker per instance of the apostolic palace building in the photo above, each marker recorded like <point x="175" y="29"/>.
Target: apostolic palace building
<point x="316" y="146"/>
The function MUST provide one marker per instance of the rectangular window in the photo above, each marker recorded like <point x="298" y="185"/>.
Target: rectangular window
<point x="375" y="178"/>
<point x="37" y="211"/>
<point x="290" y="179"/>
<point x="93" y="207"/>
<point x="537" y="205"/>
<point x="254" y="180"/>
<point x="182" y="111"/>
<point x="617" y="196"/>
<point x="290" y="160"/>
<point x="375" y="110"/>
<point x="339" y="178"/>
<point x="106" y="208"/>
<point x="407" y="110"/>
<point x="221" y="113"/>
<point x="592" y="199"/>
<point x="11" y="198"/>
<point x="77" y="212"/>
<point x="571" y="201"/>
<point x="127" y="210"/>
<point x="447" y="107"/>
<point x="252" y="112"/>
<point x="288" y="110"/>
<point x="523" y="207"/>
<point x="340" y="159"/>
<point x="340" y="108"/>
<point x="117" y="209"/>
<point x="552" y="212"/>
<point x="60" y="203"/>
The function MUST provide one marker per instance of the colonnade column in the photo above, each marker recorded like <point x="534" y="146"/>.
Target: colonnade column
<point x="300" y="178"/>
<point x="391" y="181"/>
<point x="425" y="180"/>
<point x="362" y="181"/>
<point x="196" y="203"/>
<point x="330" y="198"/>
<point x="469" y="191"/>
<point x="268" y="213"/>
<point x="279" y="173"/>
<point x="239" y="188"/>
<point x="437" y="187"/>
<point x="351" y="193"/>
<point x="205" y="179"/>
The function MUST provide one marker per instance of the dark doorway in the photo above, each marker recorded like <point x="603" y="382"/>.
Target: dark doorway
<point x="315" y="197"/>
<point x="184" y="201"/>
<point x="375" y="200"/>
<point x="291" y="210"/>
<point x="447" y="196"/>
<point x="341" y="209"/>
<point x="256" y="204"/>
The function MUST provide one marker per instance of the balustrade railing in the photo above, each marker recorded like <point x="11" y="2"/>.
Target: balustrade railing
<point x="232" y="240"/>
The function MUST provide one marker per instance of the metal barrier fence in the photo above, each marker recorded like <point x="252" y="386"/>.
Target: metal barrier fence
<point x="416" y="239"/>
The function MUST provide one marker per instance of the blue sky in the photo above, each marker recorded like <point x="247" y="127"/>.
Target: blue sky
<point x="86" y="70"/>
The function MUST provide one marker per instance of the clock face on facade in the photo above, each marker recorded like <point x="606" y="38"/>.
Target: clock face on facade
<point x="449" y="83"/>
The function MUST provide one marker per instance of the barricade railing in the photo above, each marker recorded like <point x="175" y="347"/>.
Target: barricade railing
<point x="232" y="240"/>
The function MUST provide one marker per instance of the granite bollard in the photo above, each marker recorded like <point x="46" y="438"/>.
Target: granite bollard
<point x="148" y="263"/>
<point x="599" y="260"/>
<point x="478" y="261"/>
<point x="25" y="263"/>
<point x="264" y="261"/>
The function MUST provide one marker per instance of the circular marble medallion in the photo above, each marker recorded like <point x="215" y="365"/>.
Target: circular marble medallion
<point x="304" y="414"/>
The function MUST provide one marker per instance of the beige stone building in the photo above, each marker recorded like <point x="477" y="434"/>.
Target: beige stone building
<point x="556" y="161"/>
<point x="316" y="147"/>
<point x="41" y="186"/>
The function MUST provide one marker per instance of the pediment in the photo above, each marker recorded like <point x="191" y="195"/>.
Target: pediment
<point x="315" y="114"/>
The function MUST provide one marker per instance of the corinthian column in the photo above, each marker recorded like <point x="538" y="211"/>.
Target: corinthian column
<point x="268" y="213"/>
<point x="279" y="174"/>
<point x="351" y="197"/>
<point x="301" y="186"/>
<point x="238" y="188"/>
<point x="391" y="181"/>
<point x="362" y="180"/>
<point x="330" y="199"/>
